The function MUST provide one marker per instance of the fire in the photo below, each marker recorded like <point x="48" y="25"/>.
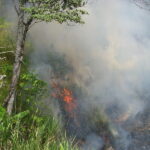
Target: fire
<point x="69" y="102"/>
<point x="67" y="97"/>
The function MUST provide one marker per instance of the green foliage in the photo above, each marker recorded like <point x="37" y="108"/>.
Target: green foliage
<point x="6" y="69"/>
<point x="29" y="131"/>
<point x="5" y="82"/>
<point x="58" y="10"/>
<point x="6" y="57"/>
<point x="6" y="41"/>
<point x="30" y="90"/>
<point x="8" y="123"/>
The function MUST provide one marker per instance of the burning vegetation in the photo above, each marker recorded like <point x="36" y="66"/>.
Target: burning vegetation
<point x="101" y="129"/>
<point x="77" y="123"/>
<point x="66" y="97"/>
<point x="100" y="84"/>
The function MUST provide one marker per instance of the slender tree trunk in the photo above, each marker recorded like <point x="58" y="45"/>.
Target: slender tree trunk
<point x="19" y="53"/>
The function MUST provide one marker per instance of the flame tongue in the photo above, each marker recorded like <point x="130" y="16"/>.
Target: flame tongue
<point x="66" y="96"/>
<point x="69" y="102"/>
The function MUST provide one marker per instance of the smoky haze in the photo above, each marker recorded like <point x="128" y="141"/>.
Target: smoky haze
<point x="109" y="55"/>
<point x="111" y="51"/>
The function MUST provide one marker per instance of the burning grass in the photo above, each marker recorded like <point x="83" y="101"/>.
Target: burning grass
<point x="78" y="123"/>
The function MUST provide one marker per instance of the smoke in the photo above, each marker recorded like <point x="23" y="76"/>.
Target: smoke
<point x="93" y="142"/>
<point x="109" y="56"/>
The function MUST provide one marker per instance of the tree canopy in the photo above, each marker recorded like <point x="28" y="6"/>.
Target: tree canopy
<point x="50" y="10"/>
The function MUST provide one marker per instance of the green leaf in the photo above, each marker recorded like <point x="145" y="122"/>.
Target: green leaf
<point x="21" y="115"/>
<point x="2" y="112"/>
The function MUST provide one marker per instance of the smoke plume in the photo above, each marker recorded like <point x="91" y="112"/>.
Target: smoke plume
<point x="109" y="56"/>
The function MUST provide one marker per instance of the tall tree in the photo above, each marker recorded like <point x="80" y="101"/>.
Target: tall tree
<point x="30" y="12"/>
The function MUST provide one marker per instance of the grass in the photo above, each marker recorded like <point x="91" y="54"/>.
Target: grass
<point x="26" y="131"/>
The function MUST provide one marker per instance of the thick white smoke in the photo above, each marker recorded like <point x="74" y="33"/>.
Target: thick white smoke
<point x="111" y="50"/>
<point x="109" y="54"/>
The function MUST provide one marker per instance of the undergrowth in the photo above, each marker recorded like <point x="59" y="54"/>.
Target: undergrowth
<point x="26" y="131"/>
<point x="27" y="128"/>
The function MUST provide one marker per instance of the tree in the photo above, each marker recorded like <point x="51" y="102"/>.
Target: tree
<point x="30" y="12"/>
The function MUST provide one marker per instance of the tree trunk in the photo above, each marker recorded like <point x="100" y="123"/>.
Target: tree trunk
<point x="19" y="53"/>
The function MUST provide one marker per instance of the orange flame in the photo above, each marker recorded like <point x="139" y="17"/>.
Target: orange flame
<point x="69" y="100"/>
<point x="67" y="96"/>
